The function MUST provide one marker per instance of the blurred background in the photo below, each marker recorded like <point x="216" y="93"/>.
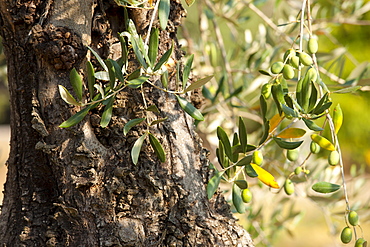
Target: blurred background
<point x="232" y="40"/>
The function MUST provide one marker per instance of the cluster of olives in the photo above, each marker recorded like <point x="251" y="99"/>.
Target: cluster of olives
<point x="346" y="234"/>
<point x="292" y="60"/>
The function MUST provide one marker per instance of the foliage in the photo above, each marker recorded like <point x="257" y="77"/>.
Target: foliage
<point x="295" y="105"/>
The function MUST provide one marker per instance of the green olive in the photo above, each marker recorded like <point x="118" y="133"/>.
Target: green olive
<point x="257" y="157"/>
<point x="246" y="195"/>
<point x="312" y="45"/>
<point x="312" y="74"/>
<point x="292" y="154"/>
<point x="314" y="147"/>
<point x="288" y="72"/>
<point x="266" y="90"/>
<point x="346" y="235"/>
<point x="361" y="242"/>
<point x="305" y="59"/>
<point x="298" y="170"/>
<point x="277" y="67"/>
<point x="289" y="54"/>
<point x="294" y="61"/>
<point x="353" y="218"/>
<point x="333" y="158"/>
<point x="288" y="187"/>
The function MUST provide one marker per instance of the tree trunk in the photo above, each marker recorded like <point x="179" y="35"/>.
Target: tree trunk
<point x="78" y="186"/>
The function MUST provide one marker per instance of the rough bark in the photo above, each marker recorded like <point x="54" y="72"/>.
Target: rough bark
<point x="78" y="186"/>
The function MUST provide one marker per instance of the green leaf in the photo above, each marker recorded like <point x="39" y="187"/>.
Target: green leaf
<point x="100" y="60"/>
<point x="323" y="108"/>
<point x="265" y="134"/>
<point x="237" y="199"/>
<point x="287" y="145"/>
<point x="161" y="120"/>
<point x="190" y="109"/>
<point x="132" y="123"/>
<point x="189" y="2"/>
<point x="102" y="75"/>
<point x="198" y="83"/>
<point x="90" y="78"/>
<point x="117" y="70"/>
<point x="242" y="184"/>
<point x="138" y="52"/>
<point x="263" y="104"/>
<point x="278" y="96"/>
<point x="67" y="97"/>
<point x="289" y="112"/>
<point x="153" y="108"/>
<point x="325" y="187"/>
<point x="157" y="146"/>
<point x="153" y="45"/>
<point x="76" y="82"/>
<point x="187" y="69"/>
<point x="112" y="73"/>
<point x="107" y="114"/>
<point x="245" y="161"/>
<point x="222" y="136"/>
<point x="311" y="125"/>
<point x="76" y="118"/>
<point x="163" y="13"/>
<point x="163" y="59"/>
<point x="135" y="83"/>
<point x="214" y="183"/>
<point x="242" y="134"/>
<point x="250" y="171"/>
<point x="164" y="79"/>
<point x="220" y="153"/>
<point x="122" y="61"/>
<point x="135" y="152"/>
<point x="100" y="89"/>
<point x="348" y="89"/>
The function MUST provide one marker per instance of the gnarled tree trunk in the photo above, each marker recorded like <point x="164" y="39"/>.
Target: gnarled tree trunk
<point x="78" y="186"/>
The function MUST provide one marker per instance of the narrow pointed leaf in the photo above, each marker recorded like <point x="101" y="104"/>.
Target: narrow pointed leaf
<point x="161" y="120"/>
<point x="198" y="83"/>
<point x="67" y="97"/>
<point x="244" y="161"/>
<point x="337" y="118"/>
<point x="138" y="52"/>
<point x="187" y="69"/>
<point x="153" y="108"/>
<point x="122" y="61"/>
<point x="250" y="171"/>
<point x="76" y="82"/>
<point x="164" y="79"/>
<point x="190" y="109"/>
<point x="163" y="13"/>
<point x="213" y="184"/>
<point x="242" y="134"/>
<point x="222" y="136"/>
<point x="131" y="124"/>
<point x="153" y="45"/>
<point x="311" y="125"/>
<point x="289" y="112"/>
<point x="157" y="146"/>
<point x="76" y="118"/>
<point x="135" y="152"/>
<point x="348" y="89"/>
<point x="107" y="114"/>
<point x="220" y="153"/>
<point x="237" y="199"/>
<point x="100" y="60"/>
<point x="263" y="104"/>
<point x="325" y="187"/>
<point x="163" y="59"/>
<point x="135" y="83"/>
<point x="100" y="89"/>
<point x="292" y="133"/>
<point x="117" y="70"/>
<point x="111" y="72"/>
<point x="265" y="177"/>
<point x="102" y="75"/>
<point x="287" y="145"/>
<point x="90" y="78"/>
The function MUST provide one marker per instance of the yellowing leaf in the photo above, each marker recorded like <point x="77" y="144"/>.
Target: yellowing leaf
<point x="265" y="177"/>
<point x="292" y="133"/>
<point x="274" y="122"/>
